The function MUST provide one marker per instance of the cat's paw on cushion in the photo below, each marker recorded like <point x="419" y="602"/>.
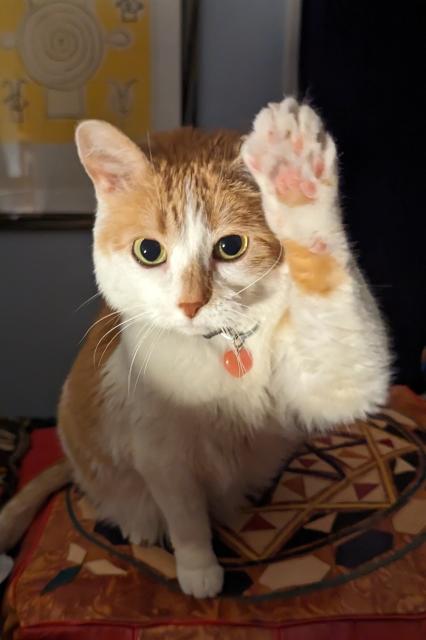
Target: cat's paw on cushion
<point x="205" y="582"/>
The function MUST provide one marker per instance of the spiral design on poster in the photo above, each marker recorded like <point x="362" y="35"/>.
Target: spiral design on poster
<point x="61" y="45"/>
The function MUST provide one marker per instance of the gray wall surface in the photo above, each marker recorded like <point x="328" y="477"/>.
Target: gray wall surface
<point x="241" y="60"/>
<point x="45" y="276"/>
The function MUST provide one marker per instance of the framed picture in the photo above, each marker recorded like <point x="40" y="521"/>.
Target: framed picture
<point x="62" y="61"/>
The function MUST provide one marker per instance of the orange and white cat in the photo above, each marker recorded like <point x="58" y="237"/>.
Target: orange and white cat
<point x="235" y="321"/>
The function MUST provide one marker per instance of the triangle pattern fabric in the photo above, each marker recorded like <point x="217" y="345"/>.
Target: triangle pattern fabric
<point x="353" y="457"/>
<point x="362" y="489"/>
<point x="350" y="453"/>
<point x="312" y="462"/>
<point x="369" y="487"/>
<point x="334" y="440"/>
<point x="306" y="462"/>
<point x="402" y="466"/>
<point x="357" y="451"/>
<point x="238" y="521"/>
<point x="257" y="523"/>
<point x="323" y="524"/>
<point x="370" y="476"/>
<point x="361" y="450"/>
<point x="314" y="485"/>
<point x="284" y="494"/>
<point x="321" y="465"/>
<point x="342" y="439"/>
<point x="339" y="439"/>
<point x="397" y="445"/>
<point x="295" y="483"/>
<point x="258" y="541"/>
<point x="353" y="463"/>
<point x="280" y="519"/>
<point x="387" y="442"/>
<point x="346" y="495"/>
<point x="376" y="495"/>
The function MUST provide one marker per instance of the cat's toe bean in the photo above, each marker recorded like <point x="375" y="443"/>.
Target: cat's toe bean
<point x="290" y="155"/>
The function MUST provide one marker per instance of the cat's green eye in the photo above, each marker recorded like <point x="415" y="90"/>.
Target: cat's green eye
<point x="150" y="252"/>
<point x="230" y="247"/>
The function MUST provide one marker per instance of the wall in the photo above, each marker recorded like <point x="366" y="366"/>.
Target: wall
<point x="44" y="276"/>
<point x="241" y="60"/>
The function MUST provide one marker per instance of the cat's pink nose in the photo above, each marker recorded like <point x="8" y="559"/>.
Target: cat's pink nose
<point x="191" y="309"/>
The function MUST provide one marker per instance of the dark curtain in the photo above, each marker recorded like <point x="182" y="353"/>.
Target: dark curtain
<point x="363" y="66"/>
<point x="190" y="42"/>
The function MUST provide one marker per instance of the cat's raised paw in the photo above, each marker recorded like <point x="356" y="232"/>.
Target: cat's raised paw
<point x="289" y="153"/>
<point x="205" y="582"/>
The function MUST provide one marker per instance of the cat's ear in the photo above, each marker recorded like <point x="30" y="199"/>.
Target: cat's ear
<point x="111" y="159"/>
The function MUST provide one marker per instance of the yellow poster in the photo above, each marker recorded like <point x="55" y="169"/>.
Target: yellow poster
<point x="65" y="60"/>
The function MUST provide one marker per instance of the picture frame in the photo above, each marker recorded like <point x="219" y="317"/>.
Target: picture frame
<point x="42" y="184"/>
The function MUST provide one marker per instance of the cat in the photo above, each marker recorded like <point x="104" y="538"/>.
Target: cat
<point x="235" y="322"/>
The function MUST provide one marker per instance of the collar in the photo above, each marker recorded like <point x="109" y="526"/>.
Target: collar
<point x="229" y="333"/>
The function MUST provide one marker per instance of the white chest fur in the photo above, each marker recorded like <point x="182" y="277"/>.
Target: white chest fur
<point x="188" y="371"/>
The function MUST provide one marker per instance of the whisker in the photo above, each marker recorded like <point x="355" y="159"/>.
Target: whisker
<point x="114" y="313"/>
<point x="119" y="332"/>
<point x="112" y="339"/>
<point x="109" y="315"/>
<point x="242" y="321"/>
<point x="122" y="330"/>
<point x="251" y="322"/>
<point x="154" y="344"/>
<point x="133" y="319"/>
<point x="260" y="277"/>
<point x="149" y="332"/>
<point x="141" y="337"/>
<point x="83" y="304"/>
<point x="233" y="347"/>
<point x="241" y="366"/>
<point x="148" y="356"/>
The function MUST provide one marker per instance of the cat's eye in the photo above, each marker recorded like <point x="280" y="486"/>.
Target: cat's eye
<point x="230" y="247"/>
<point x="150" y="252"/>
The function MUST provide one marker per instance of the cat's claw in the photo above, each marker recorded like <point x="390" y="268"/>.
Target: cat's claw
<point x="205" y="582"/>
<point x="291" y="157"/>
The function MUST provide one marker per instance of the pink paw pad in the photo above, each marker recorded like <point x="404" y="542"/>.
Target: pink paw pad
<point x="254" y="163"/>
<point x="318" y="246"/>
<point x="297" y="144"/>
<point x="309" y="189"/>
<point x="287" y="179"/>
<point x="319" y="167"/>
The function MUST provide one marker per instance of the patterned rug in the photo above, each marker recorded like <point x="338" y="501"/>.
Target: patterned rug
<point x="338" y="509"/>
<point x="338" y="534"/>
<point x="14" y="442"/>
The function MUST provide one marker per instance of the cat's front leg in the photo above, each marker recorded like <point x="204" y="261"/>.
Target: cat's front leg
<point x="335" y="363"/>
<point x="184" y="506"/>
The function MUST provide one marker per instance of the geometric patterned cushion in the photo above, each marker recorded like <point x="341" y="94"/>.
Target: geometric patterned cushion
<point x="333" y="547"/>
